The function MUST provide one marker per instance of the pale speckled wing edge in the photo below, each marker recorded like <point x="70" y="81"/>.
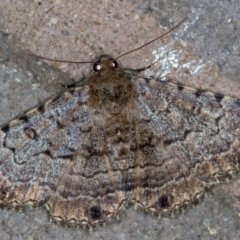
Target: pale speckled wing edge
<point x="161" y="104"/>
<point x="25" y="181"/>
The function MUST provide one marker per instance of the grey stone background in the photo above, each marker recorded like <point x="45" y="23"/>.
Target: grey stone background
<point x="204" y="52"/>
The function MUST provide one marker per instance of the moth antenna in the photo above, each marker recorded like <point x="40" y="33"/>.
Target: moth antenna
<point x="57" y="60"/>
<point x="152" y="40"/>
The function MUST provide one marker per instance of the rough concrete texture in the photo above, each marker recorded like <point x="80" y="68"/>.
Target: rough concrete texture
<point x="203" y="52"/>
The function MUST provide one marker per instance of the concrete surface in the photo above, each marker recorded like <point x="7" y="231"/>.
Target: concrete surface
<point x="203" y="52"/>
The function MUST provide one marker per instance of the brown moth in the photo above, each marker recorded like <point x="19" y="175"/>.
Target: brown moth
<point x="119" y="138"/>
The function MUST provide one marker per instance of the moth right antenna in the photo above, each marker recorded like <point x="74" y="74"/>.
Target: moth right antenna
<point x="152" y="40"/>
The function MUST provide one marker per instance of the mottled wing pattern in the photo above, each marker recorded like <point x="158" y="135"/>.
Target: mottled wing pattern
<point x="91" y="191"/>
<point x="37" y="148"/>
<point x="55" y="155"/>
<point x="156" y="144"/>
<point x="194" y="142"/>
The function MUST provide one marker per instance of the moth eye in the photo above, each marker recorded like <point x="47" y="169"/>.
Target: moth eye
<point x="97" y="66"/>
<point x="114" y="64"/>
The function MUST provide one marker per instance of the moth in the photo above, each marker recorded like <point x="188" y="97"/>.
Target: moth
<point x="119" y="138"/>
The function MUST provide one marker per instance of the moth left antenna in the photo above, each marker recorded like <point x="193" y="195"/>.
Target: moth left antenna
<point x="57" y="60"/>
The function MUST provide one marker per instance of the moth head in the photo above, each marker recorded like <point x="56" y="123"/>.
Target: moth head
<point x="105" y="63"/>
<point x="110" y="88"/>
